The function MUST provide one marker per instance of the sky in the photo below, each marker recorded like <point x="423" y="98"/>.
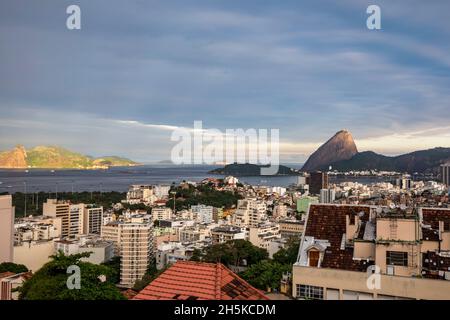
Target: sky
<point x="138" y="69"/>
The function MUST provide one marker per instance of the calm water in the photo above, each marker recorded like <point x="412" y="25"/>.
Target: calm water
<point x="114" y="179"/>
<point x="119" y="179"/>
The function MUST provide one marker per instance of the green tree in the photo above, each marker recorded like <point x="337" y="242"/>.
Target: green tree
<point x="50" y="282"/>
<point x="233" y="253"/>
<point x="265" y="275"/>
<point x="288" y="255"/>
<point x="12" y="267"/>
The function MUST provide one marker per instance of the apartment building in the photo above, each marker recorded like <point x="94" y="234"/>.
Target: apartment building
<point x="61" y="209"/>
<point x="263" y="234"/>
<point x="34" y="240"/>
<point x="133" y="241"/>
<point x="353" y="252"/>
<point x="100" y="250"/>
<point x="226" y="233"/>
<point x="161" y="213"/>
<point x="291" y="228"/>
<point x="140" y="194"/>
<point x="250" y="212"/>
<point x="202" y="213"/>
<point x="92" y="219"/>
<point x="6" y="229"/>
<point x="170" y="252"/>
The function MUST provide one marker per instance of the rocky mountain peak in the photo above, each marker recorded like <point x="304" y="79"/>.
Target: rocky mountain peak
<point x="339" y="147"/>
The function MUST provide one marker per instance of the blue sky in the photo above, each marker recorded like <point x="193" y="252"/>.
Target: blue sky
<point x="137" y="69"/>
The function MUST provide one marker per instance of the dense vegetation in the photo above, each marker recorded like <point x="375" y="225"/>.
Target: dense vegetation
<point x="35" y="200"/>
<point x="262" y="272"/>
<point x="248" y="169"/>
<point x="50" y="282"/>
<point x="203" y="194"/>
<point x="12" y="267"/>
<point x="232" y="253"/>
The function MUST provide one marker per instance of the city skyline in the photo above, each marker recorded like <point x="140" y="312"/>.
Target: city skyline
<point x="135" y="72"/>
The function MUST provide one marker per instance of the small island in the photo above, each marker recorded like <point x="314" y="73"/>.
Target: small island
<point x="248" y="169"/>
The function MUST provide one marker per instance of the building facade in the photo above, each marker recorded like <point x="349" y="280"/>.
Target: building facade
<point x="6" y="229"/>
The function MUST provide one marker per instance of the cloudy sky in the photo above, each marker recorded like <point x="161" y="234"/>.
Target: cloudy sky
<point x="137" y="69"/>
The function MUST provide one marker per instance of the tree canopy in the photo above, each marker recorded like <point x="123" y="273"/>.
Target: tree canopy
<point x="12" y="267"/>
<point x="50" y="282"/>
<point x="232" y="253"/>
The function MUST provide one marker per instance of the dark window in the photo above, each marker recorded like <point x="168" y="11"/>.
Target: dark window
<point x="397" y="258"/>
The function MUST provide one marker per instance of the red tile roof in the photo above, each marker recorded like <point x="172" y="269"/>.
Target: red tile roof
<point x="188" y="280"/>
<point x="6" y="274"/>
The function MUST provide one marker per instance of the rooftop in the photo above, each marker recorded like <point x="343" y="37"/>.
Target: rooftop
<point x="187" y="280"/>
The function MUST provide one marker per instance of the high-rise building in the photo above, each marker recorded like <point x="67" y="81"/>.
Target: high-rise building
<point x="59" y="209"/>
<point x="445" y="173"/>
<point x="317" y="180"/>
<point x="133" y="240"/>
<point x="92" y="219"/>
<point x="327" y="195"/>
<point x="6" y="229"/>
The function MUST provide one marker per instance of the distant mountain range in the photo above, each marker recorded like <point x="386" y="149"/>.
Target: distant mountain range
<point x="340" y="153"/>
<point x="53" y="157"/>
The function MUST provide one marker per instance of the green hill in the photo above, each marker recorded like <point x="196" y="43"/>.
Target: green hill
<point x="55" y="157"/>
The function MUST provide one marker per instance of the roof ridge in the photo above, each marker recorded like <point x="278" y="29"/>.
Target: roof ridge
<point x="218" y="281"/>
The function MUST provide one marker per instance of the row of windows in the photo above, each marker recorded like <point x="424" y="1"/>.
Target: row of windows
<point x="309" y="292"/>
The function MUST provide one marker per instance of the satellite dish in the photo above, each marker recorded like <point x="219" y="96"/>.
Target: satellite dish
<point x="330" y="167"/>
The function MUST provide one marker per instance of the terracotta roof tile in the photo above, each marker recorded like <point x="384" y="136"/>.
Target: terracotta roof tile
<point x="187" y="280"/>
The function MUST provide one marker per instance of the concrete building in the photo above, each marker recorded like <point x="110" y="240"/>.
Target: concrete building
<point x="250" y="212"/>
<point x="263" y="234"/>
<point x="133" y="241"/>
<point x="60" y="209"/>
<point x="140" y="194"/>
<point x="291" y="228"/>
<point x="170" y="252"/>
<point x="202" y="213"/>
<point x="161" y="213"/>
<point x="317" y="180"/>
<point x="353" y="252"/>
<point x="280" y="211"/>
<point x="6" y="229"/>
<point x="34" y="240"/>
<point x="327" y="195"/>
<point x="445" y="173"/>
<point x="101" y="251"/>
<point x="226" y="233"/>
<point x="92" y="219"/>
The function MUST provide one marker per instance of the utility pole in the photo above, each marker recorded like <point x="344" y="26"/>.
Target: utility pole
<point x="25" y="209"/>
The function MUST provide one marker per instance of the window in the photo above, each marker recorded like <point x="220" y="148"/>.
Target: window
<point x="309" y="292"/>
<point x="397" y="258"/>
